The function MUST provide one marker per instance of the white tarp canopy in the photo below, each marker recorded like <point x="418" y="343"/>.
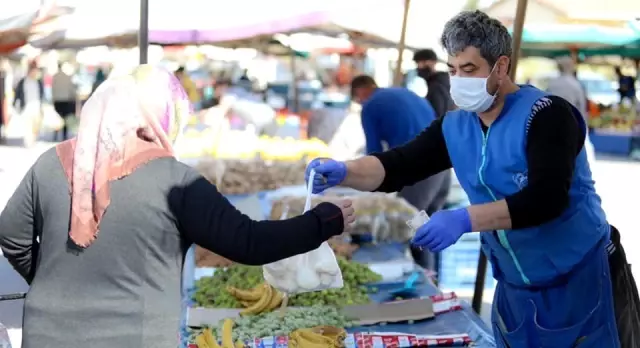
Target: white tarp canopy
<point x="235" y="23"/>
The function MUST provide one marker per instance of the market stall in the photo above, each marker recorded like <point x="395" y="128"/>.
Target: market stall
<point x="374" y="263"/>
<point x="431" y="318"/>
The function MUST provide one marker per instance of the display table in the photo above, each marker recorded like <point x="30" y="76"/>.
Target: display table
<point x="455" y="322"/>
<point x="463" y="321"/>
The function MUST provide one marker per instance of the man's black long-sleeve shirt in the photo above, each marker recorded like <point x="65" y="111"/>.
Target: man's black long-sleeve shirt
<point x="554" y="139"/>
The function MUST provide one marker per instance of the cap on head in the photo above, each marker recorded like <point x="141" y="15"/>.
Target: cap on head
<point x="361" y="87"/>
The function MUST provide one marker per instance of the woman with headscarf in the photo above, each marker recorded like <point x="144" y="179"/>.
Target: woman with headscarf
<point x="100" y="225"/>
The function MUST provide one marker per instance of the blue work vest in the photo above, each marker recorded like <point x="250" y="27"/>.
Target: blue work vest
<point x="493" y="165"/>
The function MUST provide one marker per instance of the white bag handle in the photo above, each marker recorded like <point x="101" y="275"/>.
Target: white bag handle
<point x="307" y="203"/>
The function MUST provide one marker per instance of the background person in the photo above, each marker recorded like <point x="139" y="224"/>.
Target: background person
<point x="393" y="117"/>
<point x="121" y="288"/>
<point x="570" y="89"/>
<point x="518" y="153"/>
<point x="188" y="85"/>
<point x="250" y="108"/>
<point x="29" y="97"/>
<point x="437" y="81"/>
<point x="626" y="86"/>
<point x="63" y="92"/>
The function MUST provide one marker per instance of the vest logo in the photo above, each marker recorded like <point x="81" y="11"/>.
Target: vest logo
<point x="521" y="179"/>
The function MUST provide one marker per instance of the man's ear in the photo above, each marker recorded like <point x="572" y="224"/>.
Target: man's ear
<point x="504" y="66"/>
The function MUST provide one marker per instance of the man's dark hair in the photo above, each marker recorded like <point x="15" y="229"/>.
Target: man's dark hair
<point x="361" y="81"/>
<point x="425" y="55"/>
<point x="180" y="70"/>
<point x="477" y="29"/>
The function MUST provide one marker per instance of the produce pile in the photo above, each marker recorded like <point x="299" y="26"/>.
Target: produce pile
<point x="263" y="298"/>
<point x="382" y="215"/>
<point x="322" y="326"/>
<point x="206" y="258"/>
<point x="250" y="176"/>
<point x="213" y="291"/>
<point x="289" y="149"/>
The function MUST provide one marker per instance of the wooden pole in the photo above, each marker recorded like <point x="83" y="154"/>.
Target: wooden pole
<point x="518" y="26"/>
<point x="397" y="77"/>
<point x="143" y="32"/>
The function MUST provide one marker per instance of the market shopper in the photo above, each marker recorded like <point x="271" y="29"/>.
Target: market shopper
<point x="392" y="117"/>
<point x="519" y="154"/>
<point x="570" y="89"/>
<point x="121" y="288"/>
<point x="247" y="106"/>
<point x="29" y="99"/>
<point x="438" y="84"/>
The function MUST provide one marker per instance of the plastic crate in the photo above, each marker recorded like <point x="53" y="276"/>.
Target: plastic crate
<point x="459" y="264"/>
<point x="611" y="143"/>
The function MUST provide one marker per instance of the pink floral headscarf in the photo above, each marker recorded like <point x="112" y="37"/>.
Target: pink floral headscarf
<point x="127" y="122"/>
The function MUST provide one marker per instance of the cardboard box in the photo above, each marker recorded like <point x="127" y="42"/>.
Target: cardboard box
<point x="370" y="314"/>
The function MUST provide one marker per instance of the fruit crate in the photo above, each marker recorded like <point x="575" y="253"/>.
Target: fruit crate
<point x="459" y="264"/>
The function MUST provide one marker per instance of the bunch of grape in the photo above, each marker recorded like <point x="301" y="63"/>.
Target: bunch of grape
<point x="276" y="324"/>
<point x="212" y="291"/>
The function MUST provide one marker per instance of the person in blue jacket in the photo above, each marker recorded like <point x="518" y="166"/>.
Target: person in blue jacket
<point x="519" y="155"/>
<point x="392" y="117"/>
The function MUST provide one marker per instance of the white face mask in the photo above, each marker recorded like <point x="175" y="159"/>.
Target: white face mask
<point x="470" y="93"/>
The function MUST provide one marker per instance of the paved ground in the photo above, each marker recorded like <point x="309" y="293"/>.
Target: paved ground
<point x="617" y="182"/>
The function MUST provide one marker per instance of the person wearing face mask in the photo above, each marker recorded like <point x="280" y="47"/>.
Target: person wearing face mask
<point x="437" y="81"/>
<point x="518" y="152"/>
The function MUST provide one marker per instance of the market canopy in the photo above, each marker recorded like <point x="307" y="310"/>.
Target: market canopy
<point x="551" y="40"/>
<point x="19" y="20"/>
<point x="238" y="23"/>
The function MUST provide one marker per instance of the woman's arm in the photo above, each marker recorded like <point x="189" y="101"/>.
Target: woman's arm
<point x="17" y="236"/>
<point x="401" y="166"/>
<point x="207" y="218"/>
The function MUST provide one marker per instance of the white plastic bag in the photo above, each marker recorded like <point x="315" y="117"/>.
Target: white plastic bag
<point x="313" y="271"/>
<point x="5" y="342"/>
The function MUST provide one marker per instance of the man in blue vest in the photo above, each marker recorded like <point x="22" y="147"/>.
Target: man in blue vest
<point x="519" y="155"/>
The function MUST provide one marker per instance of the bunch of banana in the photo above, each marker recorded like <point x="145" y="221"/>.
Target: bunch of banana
<point x="318" y="337"/>
<point x="207" y="340"/>
<point x="262" y="298"/>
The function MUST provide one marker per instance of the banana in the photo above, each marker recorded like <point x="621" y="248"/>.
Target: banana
<point x="297" y="340"/>
<point x="262" y="303"/>
<point x="246" y="295"/>
<point x="318" y="338"/>
<point x="246" y="304"/>
<point x="212" y="342"/>
<point x="276" y="300"/>
<point x="201" y="342"/>
<point x="239" y="344"/>
<point x="227" y="340"/>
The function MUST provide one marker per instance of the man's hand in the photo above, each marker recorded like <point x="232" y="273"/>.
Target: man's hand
<point x="329" y="173"/>
<point x="443" y="229"/>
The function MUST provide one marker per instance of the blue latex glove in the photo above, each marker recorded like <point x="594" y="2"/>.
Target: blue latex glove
<point x="443" y="229"/>
<point x="329" y="173"/>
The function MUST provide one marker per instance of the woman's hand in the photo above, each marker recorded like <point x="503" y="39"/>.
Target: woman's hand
<point x="348" y="212"/>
